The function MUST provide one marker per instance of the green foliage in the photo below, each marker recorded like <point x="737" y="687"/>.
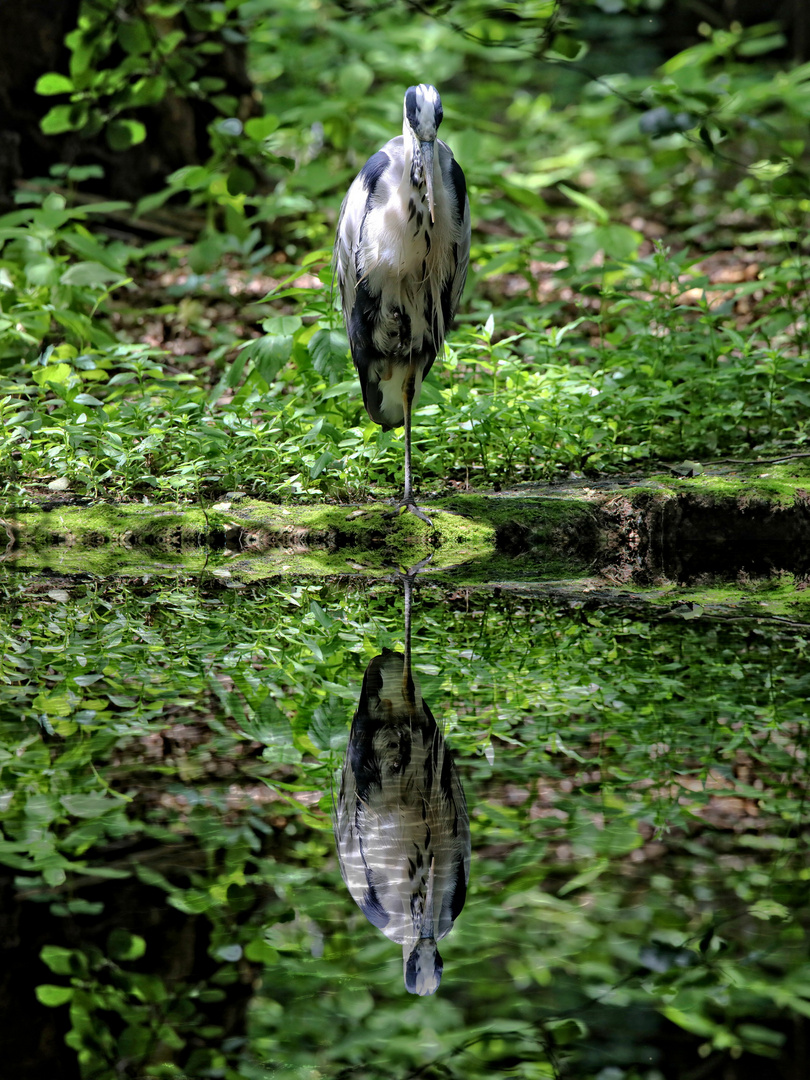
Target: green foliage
<point x="125" y="57"/>
<point x="635" y="787"/>
<point x="614" y="354"/>
<point x="662" y="372"/>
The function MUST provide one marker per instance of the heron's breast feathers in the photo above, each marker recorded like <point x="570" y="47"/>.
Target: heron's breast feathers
<point x="400" y="274"/>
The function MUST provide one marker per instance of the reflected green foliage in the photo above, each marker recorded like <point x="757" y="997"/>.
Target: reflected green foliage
<point x="168" y="750"/>
<point x="636" y="791"/>
<point x="600" y="170"/>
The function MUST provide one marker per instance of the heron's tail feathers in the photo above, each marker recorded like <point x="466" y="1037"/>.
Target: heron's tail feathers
<point x="383" y="384"/>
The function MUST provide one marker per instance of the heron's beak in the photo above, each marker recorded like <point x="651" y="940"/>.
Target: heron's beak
<point x="427" y="165"/>
<point x="426" y="930"/>
<point x="422" y="966"/>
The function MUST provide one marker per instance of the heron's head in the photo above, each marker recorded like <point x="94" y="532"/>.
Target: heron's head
<point x="423" y="968"/>
<point x="422" y="116"/>
<point x="423" y="111"/>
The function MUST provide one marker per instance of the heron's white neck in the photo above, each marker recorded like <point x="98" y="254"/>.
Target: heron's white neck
<point x="410" y="145"/>
<point x="420" y="169"/>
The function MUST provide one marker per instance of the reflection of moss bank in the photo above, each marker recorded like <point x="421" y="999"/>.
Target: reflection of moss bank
<point x="693" y="531"/>
<point x="248" y="537"/>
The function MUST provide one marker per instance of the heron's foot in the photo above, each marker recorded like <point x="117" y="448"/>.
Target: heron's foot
<point x="409" y="506"/>
<point x="413" y="571"/>
<point x="414" y="509"/>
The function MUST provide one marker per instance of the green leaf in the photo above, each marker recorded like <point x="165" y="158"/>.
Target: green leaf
<point x="618" y="241"/>
<point x="134" y="36"/>
<point x="53" y="83"/>
<point x="756" y="1033"/>
<point x="690" y="1021"/>
<point x="89" y="805"/>
<point x="91" y="250"/>
<point x="326" y="621"/>
<point x="566" y="46"/>
<point x="758" y="46"/>
<point x="52" y="996"/>
<point x="240" y="181"/>
<point x="55" y="374"/>
<point x="122" y="945"/>
<point x="90" y="273"/>
<point x="586" y="202"/>
<point x="322" y="463"/>
<point x="585" y="878"/>
<point x="769" y="909"/>
<point x="59" y="960"/>
<point x="706" y="137"/>
<point x="354" y="79"/>
<point x="269" y="355"/>
<point x="164" y="10"/>
<point x="281" y="325"/>
<point x="328" y="349"/>
<point x="151" y="202"/>
<point x="260" y="952"/>
<point x="149" y="91"/>
<point x="566" y="1031"/>
<point x="259" y="128"/>
<point x="121" y="134"/>
<point x="64" y="118"/>
<point x="79" y="324"/>
<point x="349" y="388"/>
<point x="236" y="370"/>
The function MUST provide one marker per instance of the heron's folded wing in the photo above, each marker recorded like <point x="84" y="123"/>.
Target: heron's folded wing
<point x="456" y="183"/>
<point x="350" y="226"/>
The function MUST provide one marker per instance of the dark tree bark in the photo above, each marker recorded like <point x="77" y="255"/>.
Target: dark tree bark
<point x="681" y="19"/>
<point x="32" y="1037"/>
<point x="32" y="43"/>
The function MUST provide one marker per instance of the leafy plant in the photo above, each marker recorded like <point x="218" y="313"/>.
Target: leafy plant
<point x="584" y="345"/>
<point x="635" y="788"/>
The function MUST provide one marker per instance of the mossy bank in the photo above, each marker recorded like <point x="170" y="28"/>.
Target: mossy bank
<point x="636" y="532"/>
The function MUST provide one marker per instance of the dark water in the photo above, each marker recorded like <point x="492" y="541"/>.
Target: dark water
<point x="170" y="893"/>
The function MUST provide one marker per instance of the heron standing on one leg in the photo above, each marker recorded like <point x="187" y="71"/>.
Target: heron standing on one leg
<point x="401" y="825"/>
<point x="401" y="252"/>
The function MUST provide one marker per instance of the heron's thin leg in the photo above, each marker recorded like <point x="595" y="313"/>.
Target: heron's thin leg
<point x="407" y="397"/>
<point x="408" y="392"/>
<point x="408" y="688"/>
<point x="408" y="602"/>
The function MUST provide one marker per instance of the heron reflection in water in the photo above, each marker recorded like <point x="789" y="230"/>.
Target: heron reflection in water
<point x="402" y="830"/>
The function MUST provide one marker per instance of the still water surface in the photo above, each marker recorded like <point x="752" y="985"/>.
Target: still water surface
<point x="622" y="892"/>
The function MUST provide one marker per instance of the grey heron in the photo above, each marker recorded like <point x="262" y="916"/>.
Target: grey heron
<point x="401" y="826"/>
<point x="401" y="255"/>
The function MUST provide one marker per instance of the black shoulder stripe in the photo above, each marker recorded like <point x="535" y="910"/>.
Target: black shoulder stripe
<point x="459" y="186"/>
<point x="459" y="892"/>
<point x="372" y="908"/>
<point x="373" y="170"/>
<point x="447" y="291"/>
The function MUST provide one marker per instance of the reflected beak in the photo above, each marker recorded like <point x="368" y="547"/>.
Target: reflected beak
<point x="426" y="930"/>
<point x="427" y="166"/>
